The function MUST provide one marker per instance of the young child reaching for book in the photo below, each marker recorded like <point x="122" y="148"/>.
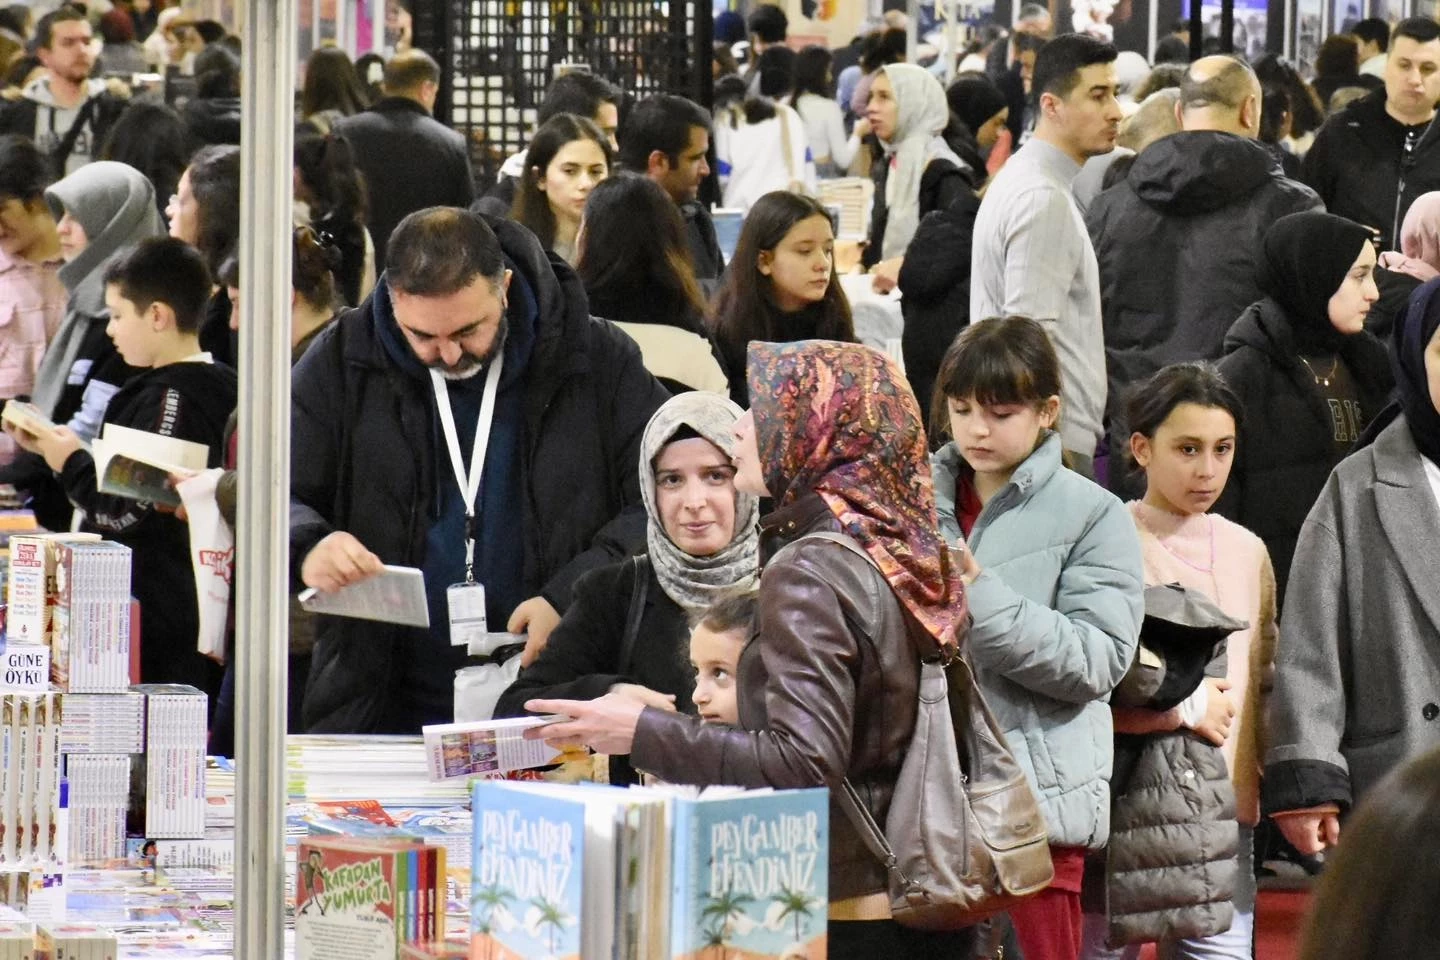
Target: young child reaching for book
<point x="715" y="644"/>
<point x="157" y="295"/>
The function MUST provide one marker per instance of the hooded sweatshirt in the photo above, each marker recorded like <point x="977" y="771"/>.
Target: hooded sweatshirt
<point x="81" y="371"/>
<point x="189" y="400"/>
<point x="1177" y="242"/>
<point x="37" y="116"/>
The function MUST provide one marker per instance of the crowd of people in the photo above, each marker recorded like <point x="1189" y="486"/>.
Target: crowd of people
<point x="1143" y="392"/>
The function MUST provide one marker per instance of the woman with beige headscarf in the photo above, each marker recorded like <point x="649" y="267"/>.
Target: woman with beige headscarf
<point x="918" y="172"/>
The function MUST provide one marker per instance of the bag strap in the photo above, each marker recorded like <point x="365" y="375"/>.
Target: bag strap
<point x="847" y="796"/>
<point x="638" y="595"/>
<point x="785" y="142"/>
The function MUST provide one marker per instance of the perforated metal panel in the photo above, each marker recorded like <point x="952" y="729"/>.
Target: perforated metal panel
<point x="498" y="57"/>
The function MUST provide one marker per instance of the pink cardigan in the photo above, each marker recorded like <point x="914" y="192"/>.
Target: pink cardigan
<point x="1238" y="578"/>
<point x="32" y="305"/>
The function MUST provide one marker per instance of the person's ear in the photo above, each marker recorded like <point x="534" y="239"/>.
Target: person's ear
<point x="161" y="316"/>
<point x="1140" y="449"/>
<point x="765" y="262"/>
<point x="1050" y="106"/>
<point x="1050" y="412"/>
<point x="1250" y="113"/>
<point x="539" y="178"/>
<point x="657" y="164"/>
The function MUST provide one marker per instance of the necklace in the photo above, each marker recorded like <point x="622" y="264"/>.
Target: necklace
<point x="1325" y="380"/>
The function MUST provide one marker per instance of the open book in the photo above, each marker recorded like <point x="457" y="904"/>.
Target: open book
<point x="493" y="746"/>
<point x="395" y="595"/>
<point x="138" y="465"/>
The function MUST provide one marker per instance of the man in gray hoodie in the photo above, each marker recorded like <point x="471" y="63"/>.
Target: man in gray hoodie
<point x="65" y="112"/>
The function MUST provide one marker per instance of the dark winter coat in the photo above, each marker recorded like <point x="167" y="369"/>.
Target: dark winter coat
<point x="935" y="283"/>
<point x="366" y="460"/>
<point x="212" y="121"/>
<point x="189" y="401"/>
<point x="1286" y="447"/>
<point x="1178" y="242"/>
<point x="1362" y="173"/>
<point x="410" y="161"/>
<point x="93" y="123"/>
<point x="941" y="185"/>
<point x="584" y="657"/>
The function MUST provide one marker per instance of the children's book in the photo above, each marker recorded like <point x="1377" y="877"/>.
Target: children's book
<point x="750" y="875"/>
<point x="27" y="418"/>
<point x="361" y="898"/>
<point x="138" y="464"/>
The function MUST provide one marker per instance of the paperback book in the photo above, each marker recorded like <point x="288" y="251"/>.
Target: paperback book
<point x="361" y="898"/>
<point x="138" y="465"/>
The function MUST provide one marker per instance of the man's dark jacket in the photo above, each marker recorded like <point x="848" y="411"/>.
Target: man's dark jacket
<point x="1178" y="241"/>
<point x="366" y="449"/>
<point x="99" y="112"/>
<point x="410" y="161"/>
<point x="1362" y="172"/>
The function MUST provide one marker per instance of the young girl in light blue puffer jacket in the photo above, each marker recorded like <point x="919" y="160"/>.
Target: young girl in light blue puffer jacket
<point x="1056" y="591"/>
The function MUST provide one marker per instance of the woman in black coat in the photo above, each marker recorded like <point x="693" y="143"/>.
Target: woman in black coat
<point x="627" y="629"/>
<point x="1308" y="374"/>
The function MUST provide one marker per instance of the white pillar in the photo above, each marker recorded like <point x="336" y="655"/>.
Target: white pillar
<point x="263" y="534"/>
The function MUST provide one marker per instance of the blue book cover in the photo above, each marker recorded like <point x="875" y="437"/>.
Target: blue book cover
<point x="525" y="894"/>
<point x="751" y="876"/>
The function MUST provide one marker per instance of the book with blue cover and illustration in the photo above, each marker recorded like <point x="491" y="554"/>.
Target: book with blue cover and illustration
<point x="750" y="875"/>
<point x="526" y="874"/>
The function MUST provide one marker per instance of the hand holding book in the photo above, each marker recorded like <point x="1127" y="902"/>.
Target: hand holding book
<point x="606" y="725"/>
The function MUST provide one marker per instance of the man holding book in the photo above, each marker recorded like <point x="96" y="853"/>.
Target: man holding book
<point x="156" y="295"/>
<point x="472" y="351"/>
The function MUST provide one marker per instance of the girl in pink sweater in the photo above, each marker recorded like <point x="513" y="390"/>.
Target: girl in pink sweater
<point x="1183" y="424"/>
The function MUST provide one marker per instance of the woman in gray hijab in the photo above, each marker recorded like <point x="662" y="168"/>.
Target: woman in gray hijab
<point x="628" y="627"/>
<point x="103" y="209"/>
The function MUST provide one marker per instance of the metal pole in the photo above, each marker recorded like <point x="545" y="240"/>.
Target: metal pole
<point x="263" y="535"/>
<point x="952" y="40"/>
<point x="1154" y="36"/>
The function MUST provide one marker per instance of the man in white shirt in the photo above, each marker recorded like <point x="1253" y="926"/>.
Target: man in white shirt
<point x="1032" y="255"/>
<point x="1373" y="35"/>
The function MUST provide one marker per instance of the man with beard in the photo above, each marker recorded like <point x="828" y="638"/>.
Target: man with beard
<point x="472" y="348"/>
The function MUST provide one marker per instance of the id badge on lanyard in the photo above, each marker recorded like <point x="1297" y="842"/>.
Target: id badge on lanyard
<point x="466" y="601"/>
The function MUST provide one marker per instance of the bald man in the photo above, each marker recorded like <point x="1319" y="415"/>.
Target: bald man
<point x="410" y="160"/>
<point x="1177" y="240"/>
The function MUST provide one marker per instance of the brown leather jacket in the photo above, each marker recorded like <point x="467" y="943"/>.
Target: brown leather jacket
<point x="828" y="687"/>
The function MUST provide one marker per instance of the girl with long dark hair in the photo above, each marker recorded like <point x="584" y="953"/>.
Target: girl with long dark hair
<point x="565" y="161"/>
<point x="332" y="89"/>
<point x="781" y="284"/>
<point x="330" y="195"/>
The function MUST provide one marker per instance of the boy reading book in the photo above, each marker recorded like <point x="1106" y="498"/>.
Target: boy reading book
<point x="156" y="295"/>
<point x="715" y="644"/>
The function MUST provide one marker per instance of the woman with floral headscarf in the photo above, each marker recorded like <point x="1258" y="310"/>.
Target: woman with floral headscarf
<point x="918" y="172"/>
<point x="627" y="630"/>
<point x="828" y="687"/>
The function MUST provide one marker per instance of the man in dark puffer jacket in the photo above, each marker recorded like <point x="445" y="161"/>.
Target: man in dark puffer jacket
<point x="1179" y="237"/>
<point x="372" y="479"/>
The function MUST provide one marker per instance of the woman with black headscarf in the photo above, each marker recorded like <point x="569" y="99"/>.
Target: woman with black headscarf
<point x="1308" y="374"/>
<point x="1358" y="663"/>
<point x="981" y="107"/>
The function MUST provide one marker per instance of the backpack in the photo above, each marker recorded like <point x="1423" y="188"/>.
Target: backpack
<point x="964" y="838"/>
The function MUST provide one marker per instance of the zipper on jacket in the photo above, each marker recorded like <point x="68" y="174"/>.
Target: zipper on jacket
<point x="1407" y="160"/>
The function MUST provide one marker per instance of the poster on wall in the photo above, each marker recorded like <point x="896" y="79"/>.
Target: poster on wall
<point x="1125" y="23"/>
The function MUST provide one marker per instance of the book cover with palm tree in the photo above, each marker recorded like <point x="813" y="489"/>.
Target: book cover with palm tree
<point x="525" y="898"/>
<point x="751" y="875"/>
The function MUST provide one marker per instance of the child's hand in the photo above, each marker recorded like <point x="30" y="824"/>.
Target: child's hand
<point x="651" y="698"/>
<point x="57" y="446"/>
<point x="969" y="566"/>
<point x="1219" y="713"/>
<point x="24" y="439"/>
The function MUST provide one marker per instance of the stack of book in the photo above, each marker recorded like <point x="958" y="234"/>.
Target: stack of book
<point x="173" y="764"/>
<point x="75" y="942"/>
<point x="30" y="817"/>
<point x="31" y="589"/>
<point x="596" y="872"/>
<point x="360" y="898"/>
<point x="90" y="632"/>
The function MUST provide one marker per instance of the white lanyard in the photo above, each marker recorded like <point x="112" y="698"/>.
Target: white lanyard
<point x="469" y="486"/>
